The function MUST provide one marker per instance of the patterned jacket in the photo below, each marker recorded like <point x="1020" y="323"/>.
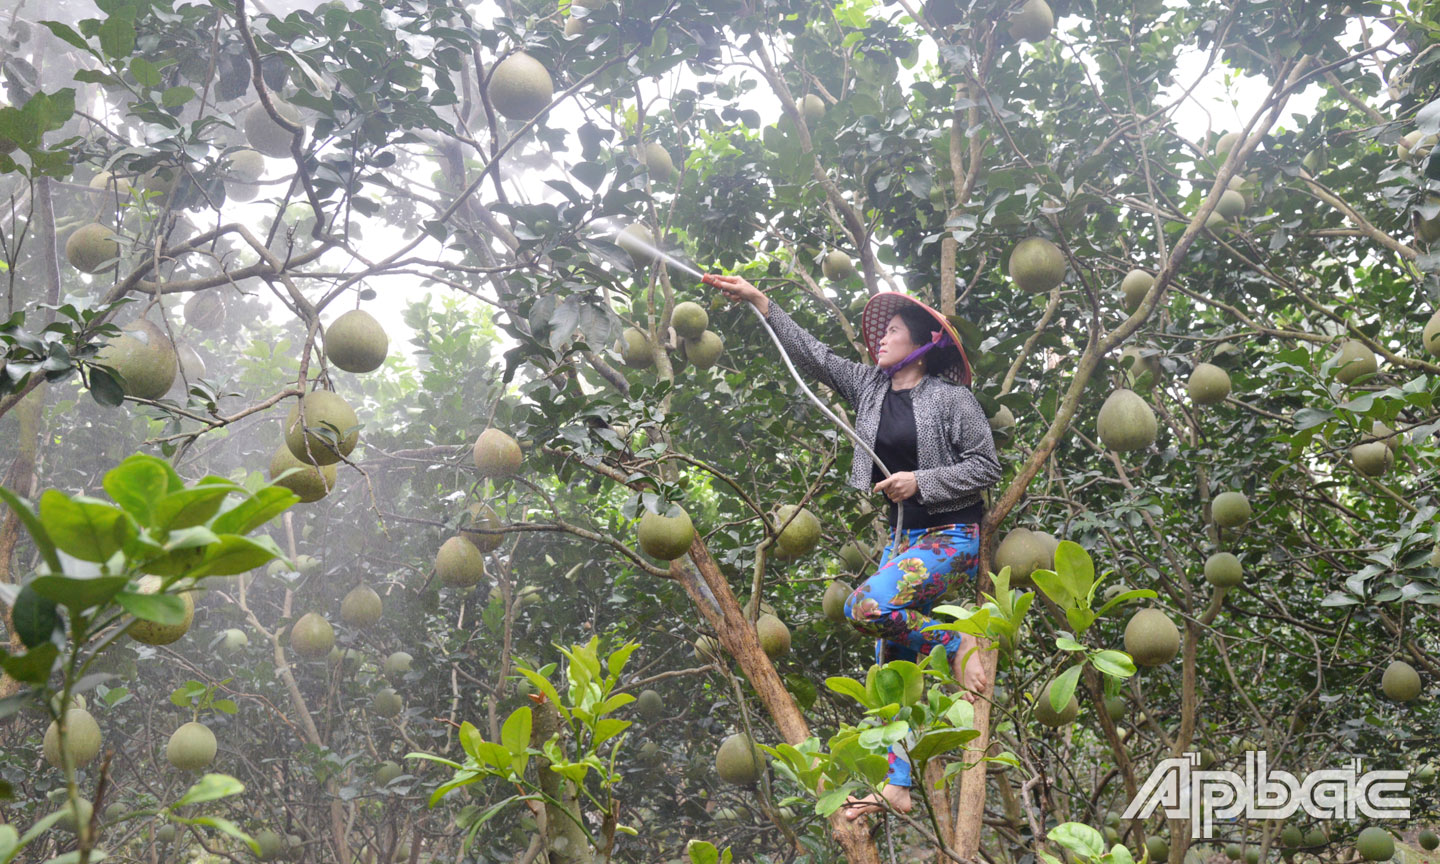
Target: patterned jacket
<point x="955" y="447"/>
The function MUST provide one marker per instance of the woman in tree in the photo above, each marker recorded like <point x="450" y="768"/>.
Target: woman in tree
<point x="915" y="409"/>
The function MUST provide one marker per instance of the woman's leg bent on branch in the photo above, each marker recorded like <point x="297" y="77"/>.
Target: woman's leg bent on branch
<point x="894" y="605"/>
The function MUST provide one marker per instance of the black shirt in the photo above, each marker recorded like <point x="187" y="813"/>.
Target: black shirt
<point x="896" y="447"/>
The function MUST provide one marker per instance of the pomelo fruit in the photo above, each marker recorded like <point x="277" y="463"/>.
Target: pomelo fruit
<point x="836" y="265"/>
<point x="801" y="536"/>
<point x="312" y="637"/>
<point x="1037" y="265"/>
<point x="497" y="454"/>
<point x="1353" y="360"/>
<point x="739" y="760"/>
<point x="145" y="358"/>
<point x="833" y="603"/>
<point x="1230" y="509"/>
<point x="649" y="705"/>
<point x="520" y="87"/>
<point x="205" y="310"/>
<point x="1134" y="287"/>
<point x="1126" y="421"/>
<point x="638" y="242"/>
<point x="151" y="633"/>
<point x="482" y="516"/>
<point x="703" y="352"/>
<point x="459" y="564"/>
<point x="774" y="636"/>
<point x="689" y="319"/>
<point x="666" y="537"/>
<point x="361" y="607"/>
<point x="397" y="664"/>
<point x="1400" y="681"/>
<point x="323" y="410"/>
<point x="812" y="108"/>
<point x="658" y="162"/>
<point x="1151" y="638"/>
<point x="1033" y="22"/>
<point x="636" y="350"/>
<point x="191" y="747"/>
<point x="82" y="739"/>
<point x="387" y="703"/>
<point x="311" y="483"/>
<point x="1046" y="713"/>
<point x="1223" y="570"/>
<point x="356" y="342"/>
<point x="1372" y="459"/>
<point x="1208" y="384"/>
<point x="1375" y="844"/>
<point x="264" y="134"/>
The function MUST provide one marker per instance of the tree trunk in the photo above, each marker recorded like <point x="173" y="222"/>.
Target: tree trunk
<point x="565" y="840"/>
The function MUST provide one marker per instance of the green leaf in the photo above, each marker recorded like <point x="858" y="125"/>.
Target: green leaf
<point x="1122" y="597"/>
<point x="619" y="657"/>
<point x="1079" y="838"/>
<point x="515" y="736"/>
<point x="608" y="728"/>
<point x="702" y="852"/>
<point x="173" y="97"/>
<point x="35" y="617"/>
<point x="105" y="388"/>
<point x="889" y="687"/>
<point x="941" y="741"/>
<point x="138" y="482"/>
<point x="259" y="508"/>
<point x="1054" y="587"/>
<point x="146" y="74"/>
<point x="1074" y="567"/>
<point x="1116" y="663"/>
<point x="1064" y="688"/>
<point x="194" y="506"/>
<point x="77" y="594"/>
<point x="32" y="523"/>
<point x="852" y="688"/>
<point x="85" y="528"/>
<point x="167" y="609"/>
<point x="211" y="787"/>
<point x="831" y="801"/>
<point x="884" y="736"/>
<point x="1064" y="643"/>
<point x="545" y="687"/>
<point x="224" y="826"/>
<point x="66" y="34"/>
<point x="236" y="554"/>
<point x="32" y="667"/>
<point x="117" y="37"/>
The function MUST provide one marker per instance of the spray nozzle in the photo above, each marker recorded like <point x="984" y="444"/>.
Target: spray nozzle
<point x="709" y="279"/>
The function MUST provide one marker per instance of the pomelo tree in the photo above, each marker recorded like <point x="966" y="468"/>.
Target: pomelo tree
<point x="462" y="175"/>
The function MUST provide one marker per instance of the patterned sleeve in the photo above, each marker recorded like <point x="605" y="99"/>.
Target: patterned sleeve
<point x="972" y="446"/>
<point x="814" y="358"/>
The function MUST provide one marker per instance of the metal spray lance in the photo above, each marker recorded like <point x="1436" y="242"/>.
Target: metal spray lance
<point x="709" y="279"/>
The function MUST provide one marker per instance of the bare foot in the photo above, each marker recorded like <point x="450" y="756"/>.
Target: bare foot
<point x="897" y="797"/>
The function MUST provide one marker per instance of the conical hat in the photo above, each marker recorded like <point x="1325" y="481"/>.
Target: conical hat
<point x="882" y="307"/>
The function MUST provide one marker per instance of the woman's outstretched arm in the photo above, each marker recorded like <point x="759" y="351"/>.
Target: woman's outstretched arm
<point x="811" y="356"/>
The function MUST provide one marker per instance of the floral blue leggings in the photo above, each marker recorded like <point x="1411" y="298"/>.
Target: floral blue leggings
<point x="895" y="603"/>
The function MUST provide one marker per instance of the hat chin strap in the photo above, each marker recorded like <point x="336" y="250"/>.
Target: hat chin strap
<point x="938" y="340"/>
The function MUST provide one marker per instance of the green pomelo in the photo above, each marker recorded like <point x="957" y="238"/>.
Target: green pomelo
<point x="108" y="181"/>
<point x="666" y="537"/>
<point x="82" y="739"/>
<point x="1024" y="552"/>
<point x="482" y="516"/>
<point x="459" y="564"/>
<point x="324" y="410"/>
<point x="1225" y="142"/>
<point x="1037" y="265"/>
<point x="689" y="319"/>
<point x="853" y="557"/>
<point x="497" y="454"/>
<point x="638" y="242"/>
<point x="1291" y="837"/>
<point x="1033" y="22"/>
<point x="152" y="633"/>
<point x="264" y="134"/>
<point x="245" y="165"/>
<point x="1002" y="421"/>
<point x="1372" y="459"/>
<point x="520" y="87"/>
<point x="1046" y="714"/>
<point x="836" y="265"/>
<point x="658" y="162"/>
<point x="68" y="822"/>
<point x="812" y="108"/>
<point x="739" y="760"/>
<point x="774" y="636"/>
<point x="1142" y="368"/>
<point x="1353" y="360"/>
<point x="1233" y="851"/>
<point x="1115" y="708"/>
<point x="271" y="845"/>
<point x="1400" y="681"/>
<point x="1208" y="385"/>
<point x="1134" y="287"/>
<point x="1429" y="840"/>
<point x="1227" y="354"/>
<point x="191" y="747"/>
<point x="703" y="352"/>
<point x="235" y="641"/>
<point x="312" y="637"/>
<point x="1126" y="422"/>
<point x="1375" y="844"/>
<point x="707" y="648"/>
<point x="1379" y="431"/>
<point x="1223" y="570"/>
<point x="356" y="342"/>
<point x="836" y="593"/>
<point x="801" y="536"/>
<point x="1157" y="847"/>
<point x="649" y="705"/>
<point x="1231" y="204"/>
<point x="397" y="664"/>
<point x="311" y="483"/>
<point x="387" y="771"/>
<point x="205" y="310"/>
<point x="361" y="607"/>
<point x="387" y="703"/>
<point x="145" y="358"/>
<point x="1414" y="145"/>
<point x="1151" y="638"/>
<point x="635" y="349"/>
<point x="1230" y="509"/>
